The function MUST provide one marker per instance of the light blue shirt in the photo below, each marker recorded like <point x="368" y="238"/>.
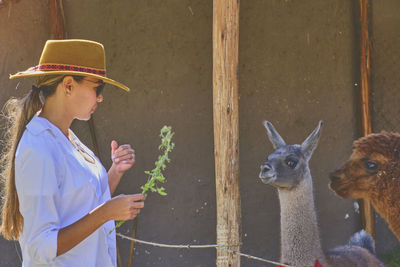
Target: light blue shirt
<point x="56" y="187"/>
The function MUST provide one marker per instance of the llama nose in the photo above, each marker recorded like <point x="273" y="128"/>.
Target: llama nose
<point x="265" y="167"/>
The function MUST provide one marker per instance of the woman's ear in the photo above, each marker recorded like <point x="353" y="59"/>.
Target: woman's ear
<point x="68" y="84"/>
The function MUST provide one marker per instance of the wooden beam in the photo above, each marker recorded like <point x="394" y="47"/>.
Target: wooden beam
<point x="226" y="127"/>
<point x="56" y="19"/>
<point x="132" y="247"/>
<point x="367" y="211"/>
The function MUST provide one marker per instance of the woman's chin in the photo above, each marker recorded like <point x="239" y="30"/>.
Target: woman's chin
<point x="84" y="118"/>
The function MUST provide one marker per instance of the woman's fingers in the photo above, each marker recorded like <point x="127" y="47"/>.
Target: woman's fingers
<point x="136" y="201"/>
<point x="125" y="157"/>
<point x="134" y="213"/>
<point x="124" y="152"/>
<point x="114" y="147"/>
<point x="138" y="197"/>
<point x="136" y="205"/>
<point x="122" y="148"/>
<point x="126" y="207"/>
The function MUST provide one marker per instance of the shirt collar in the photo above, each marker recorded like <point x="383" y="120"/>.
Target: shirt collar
<point x="39" y="124"/>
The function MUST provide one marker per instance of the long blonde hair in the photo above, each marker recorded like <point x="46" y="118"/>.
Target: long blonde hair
<point x="17" y="114"/>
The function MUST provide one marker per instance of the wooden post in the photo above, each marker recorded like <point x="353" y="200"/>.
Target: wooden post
<point x="56" y="19"/>
<point x="226" y="127"/>
<point x="367" y="211"/>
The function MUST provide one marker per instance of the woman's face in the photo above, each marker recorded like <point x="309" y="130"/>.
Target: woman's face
<point x="83" y="97"/>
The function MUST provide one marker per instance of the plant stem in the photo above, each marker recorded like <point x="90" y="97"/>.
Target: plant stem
<point x="156" y="174"/>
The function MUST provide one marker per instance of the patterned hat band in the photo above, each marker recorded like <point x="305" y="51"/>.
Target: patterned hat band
<point x="65" y="68"/>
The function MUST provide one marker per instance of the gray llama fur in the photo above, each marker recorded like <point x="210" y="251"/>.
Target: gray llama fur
<point x="300" y="241"/>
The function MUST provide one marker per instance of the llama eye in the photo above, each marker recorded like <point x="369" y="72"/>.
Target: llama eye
<point x="291" y="163"/>
<point x="371" y="166"/>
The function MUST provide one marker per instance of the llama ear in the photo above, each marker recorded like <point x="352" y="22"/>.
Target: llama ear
<point x="273" y="135"/>
<point x="309" y="145"/>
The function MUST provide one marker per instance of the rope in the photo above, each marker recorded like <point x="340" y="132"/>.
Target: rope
<point x="220" y="247"/>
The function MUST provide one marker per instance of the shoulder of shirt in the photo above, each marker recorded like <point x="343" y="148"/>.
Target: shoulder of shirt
<point x="38" y="137"/>
<point x="38" y="125"/>
<point x="38" y="146"/>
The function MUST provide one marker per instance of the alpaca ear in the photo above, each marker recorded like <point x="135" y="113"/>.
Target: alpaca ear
<point x="309" y="145"/>
<point x="273" y="135"/>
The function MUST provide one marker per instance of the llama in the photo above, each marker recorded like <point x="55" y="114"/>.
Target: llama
<point x="373" y="172"/>
<point x="287" y="170"/>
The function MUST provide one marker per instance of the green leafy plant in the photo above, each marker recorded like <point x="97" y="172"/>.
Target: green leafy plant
<point x="156" y="175"/>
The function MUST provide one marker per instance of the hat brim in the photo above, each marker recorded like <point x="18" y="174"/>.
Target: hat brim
<point x="43" y="73"/>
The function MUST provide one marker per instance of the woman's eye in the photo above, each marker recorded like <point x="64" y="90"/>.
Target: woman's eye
<point x="372" y="166"/>
<point x="291" y="163"/>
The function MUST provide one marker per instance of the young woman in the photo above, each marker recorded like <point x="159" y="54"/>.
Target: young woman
<point x="56" y="193"/>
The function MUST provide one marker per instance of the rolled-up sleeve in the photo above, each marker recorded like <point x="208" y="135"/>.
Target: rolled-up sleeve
<point x="37" y="188"/>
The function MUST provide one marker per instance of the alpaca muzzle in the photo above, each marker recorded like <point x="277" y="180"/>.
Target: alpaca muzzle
<point x="337" y="186"/>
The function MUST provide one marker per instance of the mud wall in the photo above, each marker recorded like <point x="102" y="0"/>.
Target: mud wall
<point x="298" y="64"/>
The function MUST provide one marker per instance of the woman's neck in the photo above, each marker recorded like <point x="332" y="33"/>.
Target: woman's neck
<point x="57" y="117"/>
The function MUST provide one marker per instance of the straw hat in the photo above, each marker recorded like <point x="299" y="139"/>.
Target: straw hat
<point x="71" y="57"/>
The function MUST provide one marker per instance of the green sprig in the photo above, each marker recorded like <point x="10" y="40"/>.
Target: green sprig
<point x="156" y="175"/>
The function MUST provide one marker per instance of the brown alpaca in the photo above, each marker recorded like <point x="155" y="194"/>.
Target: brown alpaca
<point x="373" y="172"/>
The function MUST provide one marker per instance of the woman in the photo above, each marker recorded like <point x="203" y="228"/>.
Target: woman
<point x="57" y="195"/>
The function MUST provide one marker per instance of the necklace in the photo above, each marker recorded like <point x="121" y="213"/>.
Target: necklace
<point x="82" y="151"/>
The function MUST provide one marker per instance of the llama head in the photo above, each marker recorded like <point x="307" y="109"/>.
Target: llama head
<point x="372" y="169"/>
<point x="287" y="165"/>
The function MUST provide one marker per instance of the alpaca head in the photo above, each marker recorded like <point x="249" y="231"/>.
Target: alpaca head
<point x="286" y="167"/>
<point x="372" y="168"/>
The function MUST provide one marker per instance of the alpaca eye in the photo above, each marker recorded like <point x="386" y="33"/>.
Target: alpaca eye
<point x="291" y="163"/>
<point x="372" y="166"/>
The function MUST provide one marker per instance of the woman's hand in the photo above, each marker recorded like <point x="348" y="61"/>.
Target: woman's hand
<point x="123" y="157"/>
<point x="124" y="207"/>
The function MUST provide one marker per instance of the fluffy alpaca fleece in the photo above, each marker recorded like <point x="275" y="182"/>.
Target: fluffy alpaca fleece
<point x="373" y="172"/>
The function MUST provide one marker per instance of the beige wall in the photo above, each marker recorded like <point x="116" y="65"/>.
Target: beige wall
<point x="23" y="31"/>
<point x="298" y="64"/>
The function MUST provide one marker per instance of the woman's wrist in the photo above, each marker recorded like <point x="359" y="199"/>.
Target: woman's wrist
<point x="102" y="212"/>
<point x="114" y="177"/>
<point x="113" y="172"/>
